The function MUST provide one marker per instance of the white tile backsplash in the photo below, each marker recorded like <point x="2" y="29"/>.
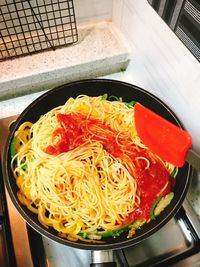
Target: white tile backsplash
<point x="92" y="10"/>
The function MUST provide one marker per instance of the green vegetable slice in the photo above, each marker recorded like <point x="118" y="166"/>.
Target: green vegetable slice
<point x="12" y="153"/>
<point x="104" y="97"/>
<point x="153" y="217"/>
<point x="113" y="97"/>
<point x="103" y="234"/>
<point x="24" y="167"/>
<point x="174" y="173"/>
<point x="112" y="233"/>
<point x="12" y="147"/>
<point x="131" y="103"/>
<point x="163" y="203"/>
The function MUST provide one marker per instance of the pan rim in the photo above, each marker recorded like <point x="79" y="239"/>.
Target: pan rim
<point x="38" y="227"/>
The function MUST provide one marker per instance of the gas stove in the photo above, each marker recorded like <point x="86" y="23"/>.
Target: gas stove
<point x="175" y="244"/>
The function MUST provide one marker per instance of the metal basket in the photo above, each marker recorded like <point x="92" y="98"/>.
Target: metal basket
<point x="30" y="26"/>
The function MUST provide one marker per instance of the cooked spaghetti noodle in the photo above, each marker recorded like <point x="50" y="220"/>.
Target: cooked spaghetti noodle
<point x="84" y="171"/>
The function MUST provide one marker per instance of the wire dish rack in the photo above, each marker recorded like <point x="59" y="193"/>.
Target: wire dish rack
<point x="30" y="26"/>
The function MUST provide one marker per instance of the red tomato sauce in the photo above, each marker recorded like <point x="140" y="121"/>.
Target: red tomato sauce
<point x="76" y="129"/>
<point x="150" y="183"/>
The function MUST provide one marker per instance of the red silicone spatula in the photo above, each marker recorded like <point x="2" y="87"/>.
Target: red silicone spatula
<point x="164" y="138"/>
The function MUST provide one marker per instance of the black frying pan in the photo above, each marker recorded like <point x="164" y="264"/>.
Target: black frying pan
<point x="96" y="87"/>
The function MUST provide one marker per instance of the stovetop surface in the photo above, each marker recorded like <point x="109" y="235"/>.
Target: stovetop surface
<point x="175" y="244"/>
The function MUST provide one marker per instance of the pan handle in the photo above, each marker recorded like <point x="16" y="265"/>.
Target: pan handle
<point x="102" y="258"/>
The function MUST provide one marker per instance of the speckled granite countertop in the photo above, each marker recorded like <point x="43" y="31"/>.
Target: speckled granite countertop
<point x="101" y="49"/>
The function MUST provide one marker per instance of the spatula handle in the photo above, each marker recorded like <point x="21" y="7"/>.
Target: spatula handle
<point x="194" y="159"/>
<point x="102" y="258"/>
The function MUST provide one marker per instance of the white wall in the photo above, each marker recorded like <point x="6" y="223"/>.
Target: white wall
<point x="92" y="10"/>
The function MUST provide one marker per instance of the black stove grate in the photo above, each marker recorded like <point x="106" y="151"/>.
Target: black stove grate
<point x="29" y="26"/>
